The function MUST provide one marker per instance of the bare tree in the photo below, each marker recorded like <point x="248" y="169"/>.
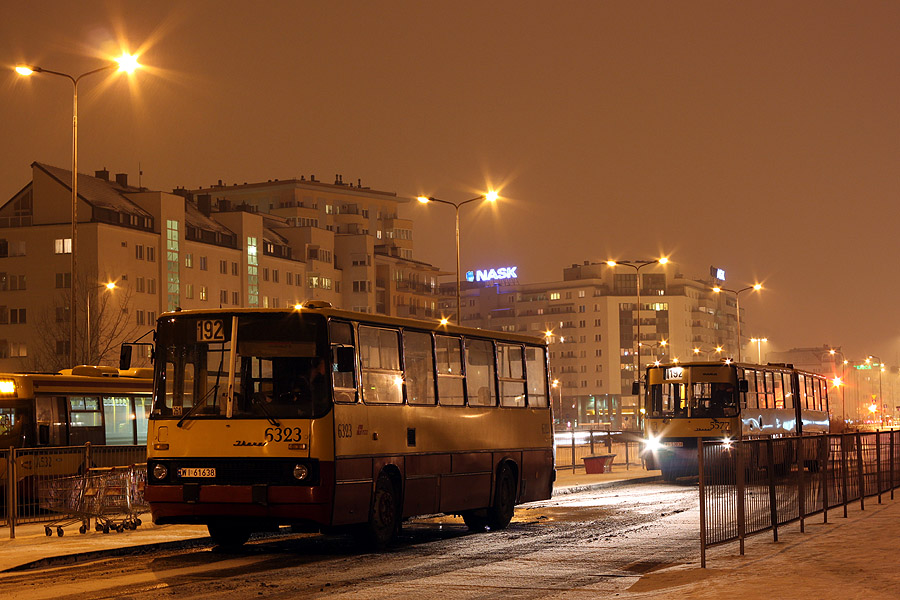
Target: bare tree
<point x="104" y="322"/>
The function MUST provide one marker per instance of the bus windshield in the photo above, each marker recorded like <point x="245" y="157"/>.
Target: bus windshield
<point x="699" y="399"/>
<point x="281" y="367"/>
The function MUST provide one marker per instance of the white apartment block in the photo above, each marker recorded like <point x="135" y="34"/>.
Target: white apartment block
<point x="270" y="244"/>
<point x="590" y="322"/>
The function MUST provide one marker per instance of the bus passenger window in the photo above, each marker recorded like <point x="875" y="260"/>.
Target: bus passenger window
<point x="379" y="355"/>
<point x="801" y="397"/>
<point x="752" y="400"/>
<point x="119" y="427"/>
<point x="344" y="359"/>
<point x="84" y="411"/>
<point x="536" y="370"/>
<point x="512" y="375"/>
<point x="480" y="372"/>
<point x="419" y="367"/>
<point x="449" y="370"/>
<point x="779" y="390"/>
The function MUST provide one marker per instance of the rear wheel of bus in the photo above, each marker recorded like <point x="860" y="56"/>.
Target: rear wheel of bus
<point x="384" y="514"/>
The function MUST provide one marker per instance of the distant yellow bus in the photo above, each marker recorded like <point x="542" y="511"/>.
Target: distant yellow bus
<point x="100" y="405"/>
<point x="725" y="401"/>
<point x="316" y="418"/>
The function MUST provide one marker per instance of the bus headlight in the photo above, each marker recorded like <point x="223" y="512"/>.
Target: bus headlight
<point x="652" y="444"/>
<point x="726" y="442"/>
<point x="160" y="471"/>
<point x="301" y="472"/>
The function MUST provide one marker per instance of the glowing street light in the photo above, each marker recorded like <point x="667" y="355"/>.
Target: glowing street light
<point x="108" y="287"/>
<point x="126" y="63"/>
<point x="737" y="295"/>
<point x="489" y="197"/>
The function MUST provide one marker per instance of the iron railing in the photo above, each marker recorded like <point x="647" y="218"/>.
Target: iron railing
<point x="31" y="471"/>
<point x="572" y="446"/>
<point x="751" y="486"/>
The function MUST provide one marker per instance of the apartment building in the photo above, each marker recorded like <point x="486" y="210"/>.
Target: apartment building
<point x="270" y="244"/>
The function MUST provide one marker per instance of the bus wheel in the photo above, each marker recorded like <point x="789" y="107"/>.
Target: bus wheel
<point x="475" y="520"/>
<point x="228" y="537"/>
<point x="383" y="515"/>
<point x="500" y="513"/>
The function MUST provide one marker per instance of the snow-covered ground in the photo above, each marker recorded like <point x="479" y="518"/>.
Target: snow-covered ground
<point x="856" y="557"/>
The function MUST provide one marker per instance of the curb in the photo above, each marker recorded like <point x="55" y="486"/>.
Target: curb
<point x="585" y="487"/>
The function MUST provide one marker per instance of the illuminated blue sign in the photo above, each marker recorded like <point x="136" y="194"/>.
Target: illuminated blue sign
<point x="717" y="273"/>
<point x="492" y="274"/>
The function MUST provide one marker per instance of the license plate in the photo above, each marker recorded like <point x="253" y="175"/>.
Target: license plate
<point x="674" y="444"/>
<point x="197" y="472"/>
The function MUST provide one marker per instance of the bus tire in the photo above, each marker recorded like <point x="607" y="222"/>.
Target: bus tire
<point x="226" y="536"/>
<point x="384" y="514"/>
<point x="501" y="511"/>
<point x="475" y="520"/>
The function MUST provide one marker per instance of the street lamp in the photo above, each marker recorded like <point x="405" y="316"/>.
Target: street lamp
<point x="661" y="345"/>
<point x="490" y="197"/>
<point x="758" y="342"/>
<point x="737" y="295"/>
<point x="698" y="350"/>
<point x="637" y="265"/>
<point x="838" y="382"/>
<point x="880" y="366"/>
<point x="127" y="63"/>
<point x="108" y="286"/>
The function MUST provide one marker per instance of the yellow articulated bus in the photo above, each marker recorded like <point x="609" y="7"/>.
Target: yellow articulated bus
<point x="724" y="401"/>
<point x="96" y="404"/>
<point x="318" y="418"/>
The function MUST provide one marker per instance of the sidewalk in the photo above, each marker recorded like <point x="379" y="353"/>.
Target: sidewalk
<point x="32" y="547"/>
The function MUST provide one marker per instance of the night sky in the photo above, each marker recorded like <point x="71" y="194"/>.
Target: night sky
<point x="760" y="137"/>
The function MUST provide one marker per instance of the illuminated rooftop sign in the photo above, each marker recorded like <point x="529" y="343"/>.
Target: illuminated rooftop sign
<point x="492" y="274"/>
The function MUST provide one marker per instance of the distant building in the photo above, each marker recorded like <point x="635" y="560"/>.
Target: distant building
<point x="268" y="244"/>
<point x="590" y="321"/>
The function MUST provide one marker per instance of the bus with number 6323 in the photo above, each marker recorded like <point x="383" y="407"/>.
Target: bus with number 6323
<point x="322" y="419"/>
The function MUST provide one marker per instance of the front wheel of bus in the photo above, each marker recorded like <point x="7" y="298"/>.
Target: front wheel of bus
<point x="384" y="514"/>
<point x="228" y="537"/>
<point x="501" y="511"/>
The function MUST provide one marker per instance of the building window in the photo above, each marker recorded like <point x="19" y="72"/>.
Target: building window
<point x="265" y="273"/>
<point x="189" y="291"/>
<point x="151" y="253"/>
<point x="63" y="280"/>
<point x="63" y="246"/>
<point x="289" y="278"/>
<point x="139" y="317"/>
<point x="554" y="295"/>
<point x="234" y="268"/>
<point x="223" y="296"/>
<point x="223" y="267"/>
<point x="62" y="347"/>
<point x="139" y="285"/>
<point x="203" y="263"/>
<point x="189" y="260"/>
<point x="236" y="298"/>
<point x="275" y="276"/>
<point x="252" y="272"/>
<point x="204" y="293"/>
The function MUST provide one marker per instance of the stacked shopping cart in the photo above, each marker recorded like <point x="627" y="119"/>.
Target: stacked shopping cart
<point x="112" y="496"/>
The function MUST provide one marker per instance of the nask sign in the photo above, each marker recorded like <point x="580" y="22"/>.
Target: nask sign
<point x="492" y="274"/>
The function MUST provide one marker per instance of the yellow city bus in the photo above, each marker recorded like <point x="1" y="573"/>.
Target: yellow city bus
<point x="724" y="401"/>
<point x="96" y="404"/>
<point x="410" y="418"/>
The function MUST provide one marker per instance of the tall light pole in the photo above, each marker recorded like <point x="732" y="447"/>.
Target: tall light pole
<point x="839" y="383"/>
<point x="110" y="287"/>
<point x="758" y="342"/>
<point x="127" y="63"/>
<point x="737" y="295"/>
<point x="490" y="197"/>
<point x="637" y="265"/>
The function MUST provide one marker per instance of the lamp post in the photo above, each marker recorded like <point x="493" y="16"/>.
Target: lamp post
<point x="737" y="295"/>
<point x="127" y="63"/>
<point x="717" y="350"/>
<point x="758" y="342"/>
<point x="490" y="197"/>
<point x="637" y="265"/>
<point x="838" y="382"/>
<point x="109" y="286"/>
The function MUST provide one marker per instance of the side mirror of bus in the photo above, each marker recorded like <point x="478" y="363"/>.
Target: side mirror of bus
<point x="743" y="385"/>
<point x="125" y="357"/>
<point x="635" y="388"/>
<point x="346" y="358"/>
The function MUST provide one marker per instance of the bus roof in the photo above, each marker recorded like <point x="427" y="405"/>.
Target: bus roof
<point x="326" y="310"/>
<point x="742" y="365"/>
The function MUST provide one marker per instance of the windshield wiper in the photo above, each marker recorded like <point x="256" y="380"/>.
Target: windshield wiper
<point x="272" y="420"/>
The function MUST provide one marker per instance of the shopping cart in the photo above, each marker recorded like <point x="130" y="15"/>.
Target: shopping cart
<point x="75" y="498"/>
<point x="120" y="501"/>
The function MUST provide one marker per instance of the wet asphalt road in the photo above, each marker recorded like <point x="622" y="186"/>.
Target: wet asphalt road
<point x="576" y="545"/>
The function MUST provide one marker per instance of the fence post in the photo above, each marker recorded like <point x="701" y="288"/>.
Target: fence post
<point x="845" y="477"/>
<point x="862" y="475"/>
<point x="739" y="478"/>
<point x="824" y="470"/>
<point x="591" y="432"/>
<point x="573" y="452"/>
<point x="893" y="435"/>
<point x="627" y="458"/>
<point x="702" y="504"/>
<point x="801" y="482"/>
<point x="608" y="439"/>
<point x="878" y="477"/>
<point x="773" y="505"/>
<point x="12" y="509"/>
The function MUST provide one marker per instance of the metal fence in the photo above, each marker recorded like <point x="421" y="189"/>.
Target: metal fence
<point x="751" y="486"/>
<point x="27" y="475"/>
<point x="572" y="446"/>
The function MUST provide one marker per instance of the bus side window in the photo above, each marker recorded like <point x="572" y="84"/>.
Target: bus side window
<point x="418" y="361"/>
<point x="379" y="357"/>
<point x="512" y="375"/>
<point x="448" y="355"/>
<point x="752" y="400"/>
<point x="536" y="370"/>
<point x="801" y="391"/>
<point x="480" y="372"/>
